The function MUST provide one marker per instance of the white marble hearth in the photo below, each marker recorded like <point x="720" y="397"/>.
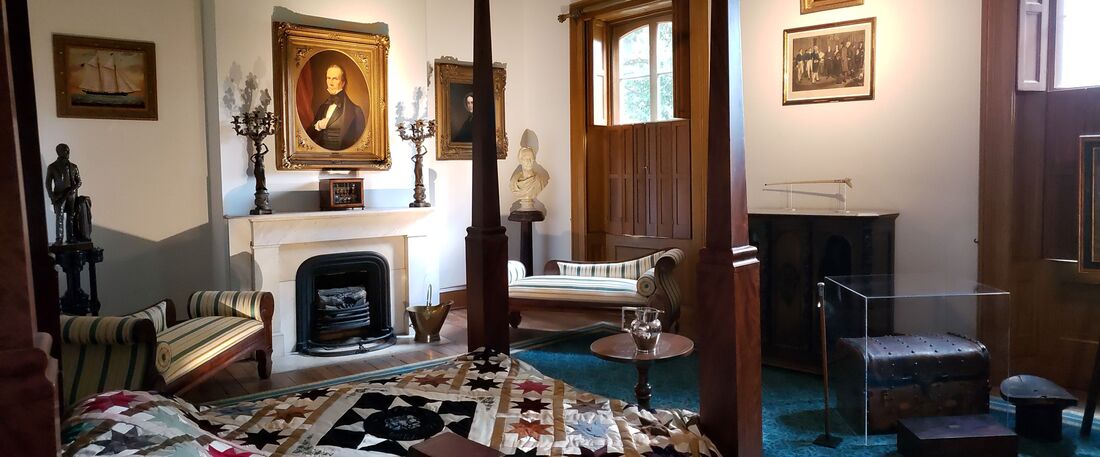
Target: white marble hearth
<point x="266" y="250"/>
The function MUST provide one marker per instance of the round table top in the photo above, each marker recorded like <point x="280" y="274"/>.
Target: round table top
<point x="620" y="348"/>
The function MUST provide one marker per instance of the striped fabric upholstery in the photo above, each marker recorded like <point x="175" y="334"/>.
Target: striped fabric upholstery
<point x="516" y="271"/>
<point x="225" y="303"/>
<point x="196" y="341"/>
<point x="157" y="313"/>
<point x="631" y="269"/>
<point x="100" y="354"/>
<point x="576" y="288"/>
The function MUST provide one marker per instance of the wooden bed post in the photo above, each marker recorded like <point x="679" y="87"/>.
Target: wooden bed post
<point x="486" y="242"/>
<point x="729" y="274"/>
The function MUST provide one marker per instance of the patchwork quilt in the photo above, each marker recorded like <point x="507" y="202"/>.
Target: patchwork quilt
<point x="486" y="397"/>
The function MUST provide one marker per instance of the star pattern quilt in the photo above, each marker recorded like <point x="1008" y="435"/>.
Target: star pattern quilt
<point x="489" y="398"/>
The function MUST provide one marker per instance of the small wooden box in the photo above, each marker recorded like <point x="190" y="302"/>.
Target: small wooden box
<point x="341" y="193"/>
<point x="448" y="444"/>
<point x="951" y="436"/>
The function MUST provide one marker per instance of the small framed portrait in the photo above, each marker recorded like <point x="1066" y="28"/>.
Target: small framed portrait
<point x="454" y="109"/>
<point x="1088" y="258"/>
<point x="102" y="78"/>
<point x="330" y="95"/>
<point x="813" y="6"/>
<point x="829" y="63"/>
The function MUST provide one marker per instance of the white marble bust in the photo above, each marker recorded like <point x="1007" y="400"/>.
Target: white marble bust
<point x="528" y="181"/>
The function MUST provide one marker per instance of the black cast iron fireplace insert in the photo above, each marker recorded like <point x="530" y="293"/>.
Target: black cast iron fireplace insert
<point x="343" y="304"/>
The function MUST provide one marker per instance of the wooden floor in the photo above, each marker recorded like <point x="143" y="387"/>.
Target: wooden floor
<point x="241" y="377"/>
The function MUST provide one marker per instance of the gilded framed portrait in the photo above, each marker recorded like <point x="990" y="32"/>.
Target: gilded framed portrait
<point x="330" y="96"/>
<point x="829" y="63"/>
<point x="454" y="109"/>
<point x="813" y="6"/>
<point x="1088" y="207"/>
<point x="102" y="78"/>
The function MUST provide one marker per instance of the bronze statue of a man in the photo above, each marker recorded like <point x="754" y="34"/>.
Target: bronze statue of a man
<point x="62" y="182"/>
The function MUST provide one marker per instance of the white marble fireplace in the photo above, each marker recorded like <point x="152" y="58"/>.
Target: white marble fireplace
<point x="266" y="250"/>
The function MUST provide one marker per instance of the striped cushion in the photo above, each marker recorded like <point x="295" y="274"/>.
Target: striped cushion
<point x="577" y="288"/>
<point x="225" y="303"/>
<point x="97" y="330"/>
<point x="93" y="368"/>
<point x="157" y="313"/>
<point x="630" y="269"/>
<point x="194" y="342"/>
<point x="516" y="271"/>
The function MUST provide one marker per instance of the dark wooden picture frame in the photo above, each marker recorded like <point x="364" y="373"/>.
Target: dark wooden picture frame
<point x="451" y="73"/>
<point x="105" y="78"/>
<point x="840" y="71"/>
<point x="813" y="6"/>
<point x="358" y="137"/>
<point x="1088" y="185"/>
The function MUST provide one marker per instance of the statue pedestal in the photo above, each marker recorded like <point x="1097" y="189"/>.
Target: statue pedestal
<point x="71" y="257"/>
<point x="525" y="219"/>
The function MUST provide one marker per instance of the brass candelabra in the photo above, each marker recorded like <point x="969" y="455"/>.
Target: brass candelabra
<point x="257" y="125"/>
<point x="418" y="131"/>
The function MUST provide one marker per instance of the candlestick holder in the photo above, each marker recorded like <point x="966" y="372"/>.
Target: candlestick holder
<point x="257" y="125"/>
<point x="418" y="131"/>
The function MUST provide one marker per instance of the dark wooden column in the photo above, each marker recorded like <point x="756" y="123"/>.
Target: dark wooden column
<point x="486" y="242"/>
<point x="729" y="274"/>
<point x="28" y="393"/>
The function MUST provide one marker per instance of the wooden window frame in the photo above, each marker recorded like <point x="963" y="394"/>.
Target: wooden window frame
<point x="1037" y="54"/>
<point x="616" y="31"/>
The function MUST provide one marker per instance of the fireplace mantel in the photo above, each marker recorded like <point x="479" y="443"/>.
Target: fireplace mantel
<point x="266" y="250"/>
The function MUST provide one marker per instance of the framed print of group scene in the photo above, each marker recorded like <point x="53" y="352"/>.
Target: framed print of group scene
<point x="831" y="62"/>
<point x="454" y="109"/>
<point x="102" y="78"/>
<point x="331" y="95"/>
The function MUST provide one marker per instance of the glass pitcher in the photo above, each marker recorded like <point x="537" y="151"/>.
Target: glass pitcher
<point x="642" y="325"/>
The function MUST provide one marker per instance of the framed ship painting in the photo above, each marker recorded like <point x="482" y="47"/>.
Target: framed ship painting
<point x="1088" y="208"/>
<point x="330" y="95"/>
<point x="101" y="78"/>
<point x="454" y="109"/>
<point x="829" y="63"/>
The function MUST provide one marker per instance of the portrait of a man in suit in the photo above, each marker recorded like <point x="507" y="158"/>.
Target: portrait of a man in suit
<point x="337" y="121"/>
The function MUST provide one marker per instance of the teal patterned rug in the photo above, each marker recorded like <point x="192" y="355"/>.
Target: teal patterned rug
<point x="792" y="401"/>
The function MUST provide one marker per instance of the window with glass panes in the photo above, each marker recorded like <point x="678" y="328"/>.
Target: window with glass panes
<point x="1076" y="62"/>
<point x="642" y="65"/>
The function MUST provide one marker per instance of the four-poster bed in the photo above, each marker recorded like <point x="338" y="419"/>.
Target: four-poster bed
<point x="729" y="351"/>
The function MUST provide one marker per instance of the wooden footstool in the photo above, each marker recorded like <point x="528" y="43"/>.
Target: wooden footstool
<point x="951" y="436"/>
<point x="1039" y="404"/>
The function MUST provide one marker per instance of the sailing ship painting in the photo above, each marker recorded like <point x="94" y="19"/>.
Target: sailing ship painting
<point x="104" y="78"/>
<point x="108" y="78"/>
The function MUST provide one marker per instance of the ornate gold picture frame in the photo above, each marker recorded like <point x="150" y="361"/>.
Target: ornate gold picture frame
<point x="453" y="109"/>
<point x="813" y="6"/>
<point x="330" y="96"/>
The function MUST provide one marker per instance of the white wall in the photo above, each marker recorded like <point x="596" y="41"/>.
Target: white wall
<point x="914" y="148"/>
<point x="147" y="179"/>
<point x="526" y="36"/>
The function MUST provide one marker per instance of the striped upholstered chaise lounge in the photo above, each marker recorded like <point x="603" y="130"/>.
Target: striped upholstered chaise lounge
<point x="645" y="281"/>
<point x="148" y="350"/>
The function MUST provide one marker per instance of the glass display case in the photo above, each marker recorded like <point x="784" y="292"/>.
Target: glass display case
<point x="913" y="345"/>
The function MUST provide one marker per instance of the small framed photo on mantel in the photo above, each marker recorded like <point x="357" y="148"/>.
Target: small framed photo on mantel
<point x="813" y="6"/>
<point x="829" y="63"/>
<point x="103" y="78"/>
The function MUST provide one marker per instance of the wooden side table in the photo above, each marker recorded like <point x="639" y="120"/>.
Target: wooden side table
<point x="620" y="348"/>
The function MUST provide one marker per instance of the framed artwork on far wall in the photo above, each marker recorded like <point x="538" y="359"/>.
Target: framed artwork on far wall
<point x="829" y="63"/>
<point x="330" y="96"/>
<point x="454" y="109"/>
<point x="103" y="78"/>
<point x="1088" y="207"/>
<point x="813" y="6"/>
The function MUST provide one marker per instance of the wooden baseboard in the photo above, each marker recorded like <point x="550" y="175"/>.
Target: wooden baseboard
<point x="458" y="294"/>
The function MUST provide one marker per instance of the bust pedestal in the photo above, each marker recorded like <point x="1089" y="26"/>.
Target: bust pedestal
<point x="525" y="219"/>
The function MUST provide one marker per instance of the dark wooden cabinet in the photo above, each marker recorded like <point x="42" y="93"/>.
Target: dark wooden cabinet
<point x="798" y="249"/>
